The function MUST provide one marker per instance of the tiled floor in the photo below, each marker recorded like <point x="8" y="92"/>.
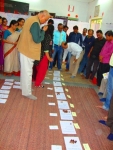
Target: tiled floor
<point x="24" y="124"/>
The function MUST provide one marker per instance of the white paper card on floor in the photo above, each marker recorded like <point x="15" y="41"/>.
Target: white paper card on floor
<point x="16" y="87"/>
<point x="3" y="96"/>
<point x="56" y="147"/>
<point x="46" y="83"/>
<point x="49" y="95"/>
<point x="86" y="146"/>
<point x="56" y="75"/>
<point x="57" y="83"/>
<point x="6" y="87"/>
<point x="50" y="74"/>
<point x="3" y="101"/>
<point x="56" y="79"/>
<point x="17" y="83"/>
<point x="53" y="127"/>
<point x="63" y="104"/>
<point x="72" y="143"/>
<point x="4" y="91"/>
<point x="66" y="114"/>
<point x="9" y="80"/>
<point x="56" y="72"/>
<point x="47" y="78"/>
<point x="8" y="83"/>
<point x="50" y="88"/>
<point x="67" y="127"/>
<point x="51" y="104"/>
<point x="50" y="71"/>
<point x="53" y="114"/>
<point x="58" y="89"/>
<point x="60" y="96"/>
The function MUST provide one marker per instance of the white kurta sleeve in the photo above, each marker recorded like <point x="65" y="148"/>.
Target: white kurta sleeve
<point x="65" y="54"/>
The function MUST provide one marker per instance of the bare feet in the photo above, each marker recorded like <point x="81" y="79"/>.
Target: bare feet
<point x="81" y="74"/>
<point x="67" y="70"/>
<point x="105" y="118"/>
<point x="83" y="77"/>
<point x="42" y="86"/>
<point x="99" y="107"/>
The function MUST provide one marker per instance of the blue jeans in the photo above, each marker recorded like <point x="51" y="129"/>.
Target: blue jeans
<point x="57" y="50"/>
<point x="83" y="64"/>
<point x="109" y="90"/>
<point x="68" y="60"/>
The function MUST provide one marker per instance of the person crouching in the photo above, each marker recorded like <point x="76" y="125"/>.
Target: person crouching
<point x="76" y="56"/>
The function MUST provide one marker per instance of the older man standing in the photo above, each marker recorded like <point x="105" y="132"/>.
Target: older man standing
<point x="29" y="46"/>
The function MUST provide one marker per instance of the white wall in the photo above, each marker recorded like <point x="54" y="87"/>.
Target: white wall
<point x="60" y="7"/>
<point x="106" y="7"/>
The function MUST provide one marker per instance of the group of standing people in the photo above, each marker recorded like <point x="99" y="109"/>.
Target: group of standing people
<point x="84" y="54"/>
<point x="9" y="36"/>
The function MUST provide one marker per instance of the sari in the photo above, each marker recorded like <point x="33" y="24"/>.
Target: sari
<point x="1" y="47"/>
<point x="11" y="60"/>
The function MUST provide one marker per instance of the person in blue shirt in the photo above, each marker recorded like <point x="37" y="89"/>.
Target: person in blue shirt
<point x="59" y="36"/>
<point x="65" y="28"/>
<point x="84" y="34"/>
<point x="88" y="43"/>
<point x="75" y="37"/>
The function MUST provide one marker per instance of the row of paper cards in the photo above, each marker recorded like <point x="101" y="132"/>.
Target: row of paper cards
<point x="5" y="89"/>
<point x="67" y="126"/>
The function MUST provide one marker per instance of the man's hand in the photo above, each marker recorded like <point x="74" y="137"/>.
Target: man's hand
<point x="88" y="55"/>
<point x="52" y="50"/>
<point x="15" y="43"/>
<point x="45" y="28"/>
<point x="100" y="58"/>
<point x="75" y="60"/>
<point x="63" y="62"/>
<point x="51" y="59"/>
